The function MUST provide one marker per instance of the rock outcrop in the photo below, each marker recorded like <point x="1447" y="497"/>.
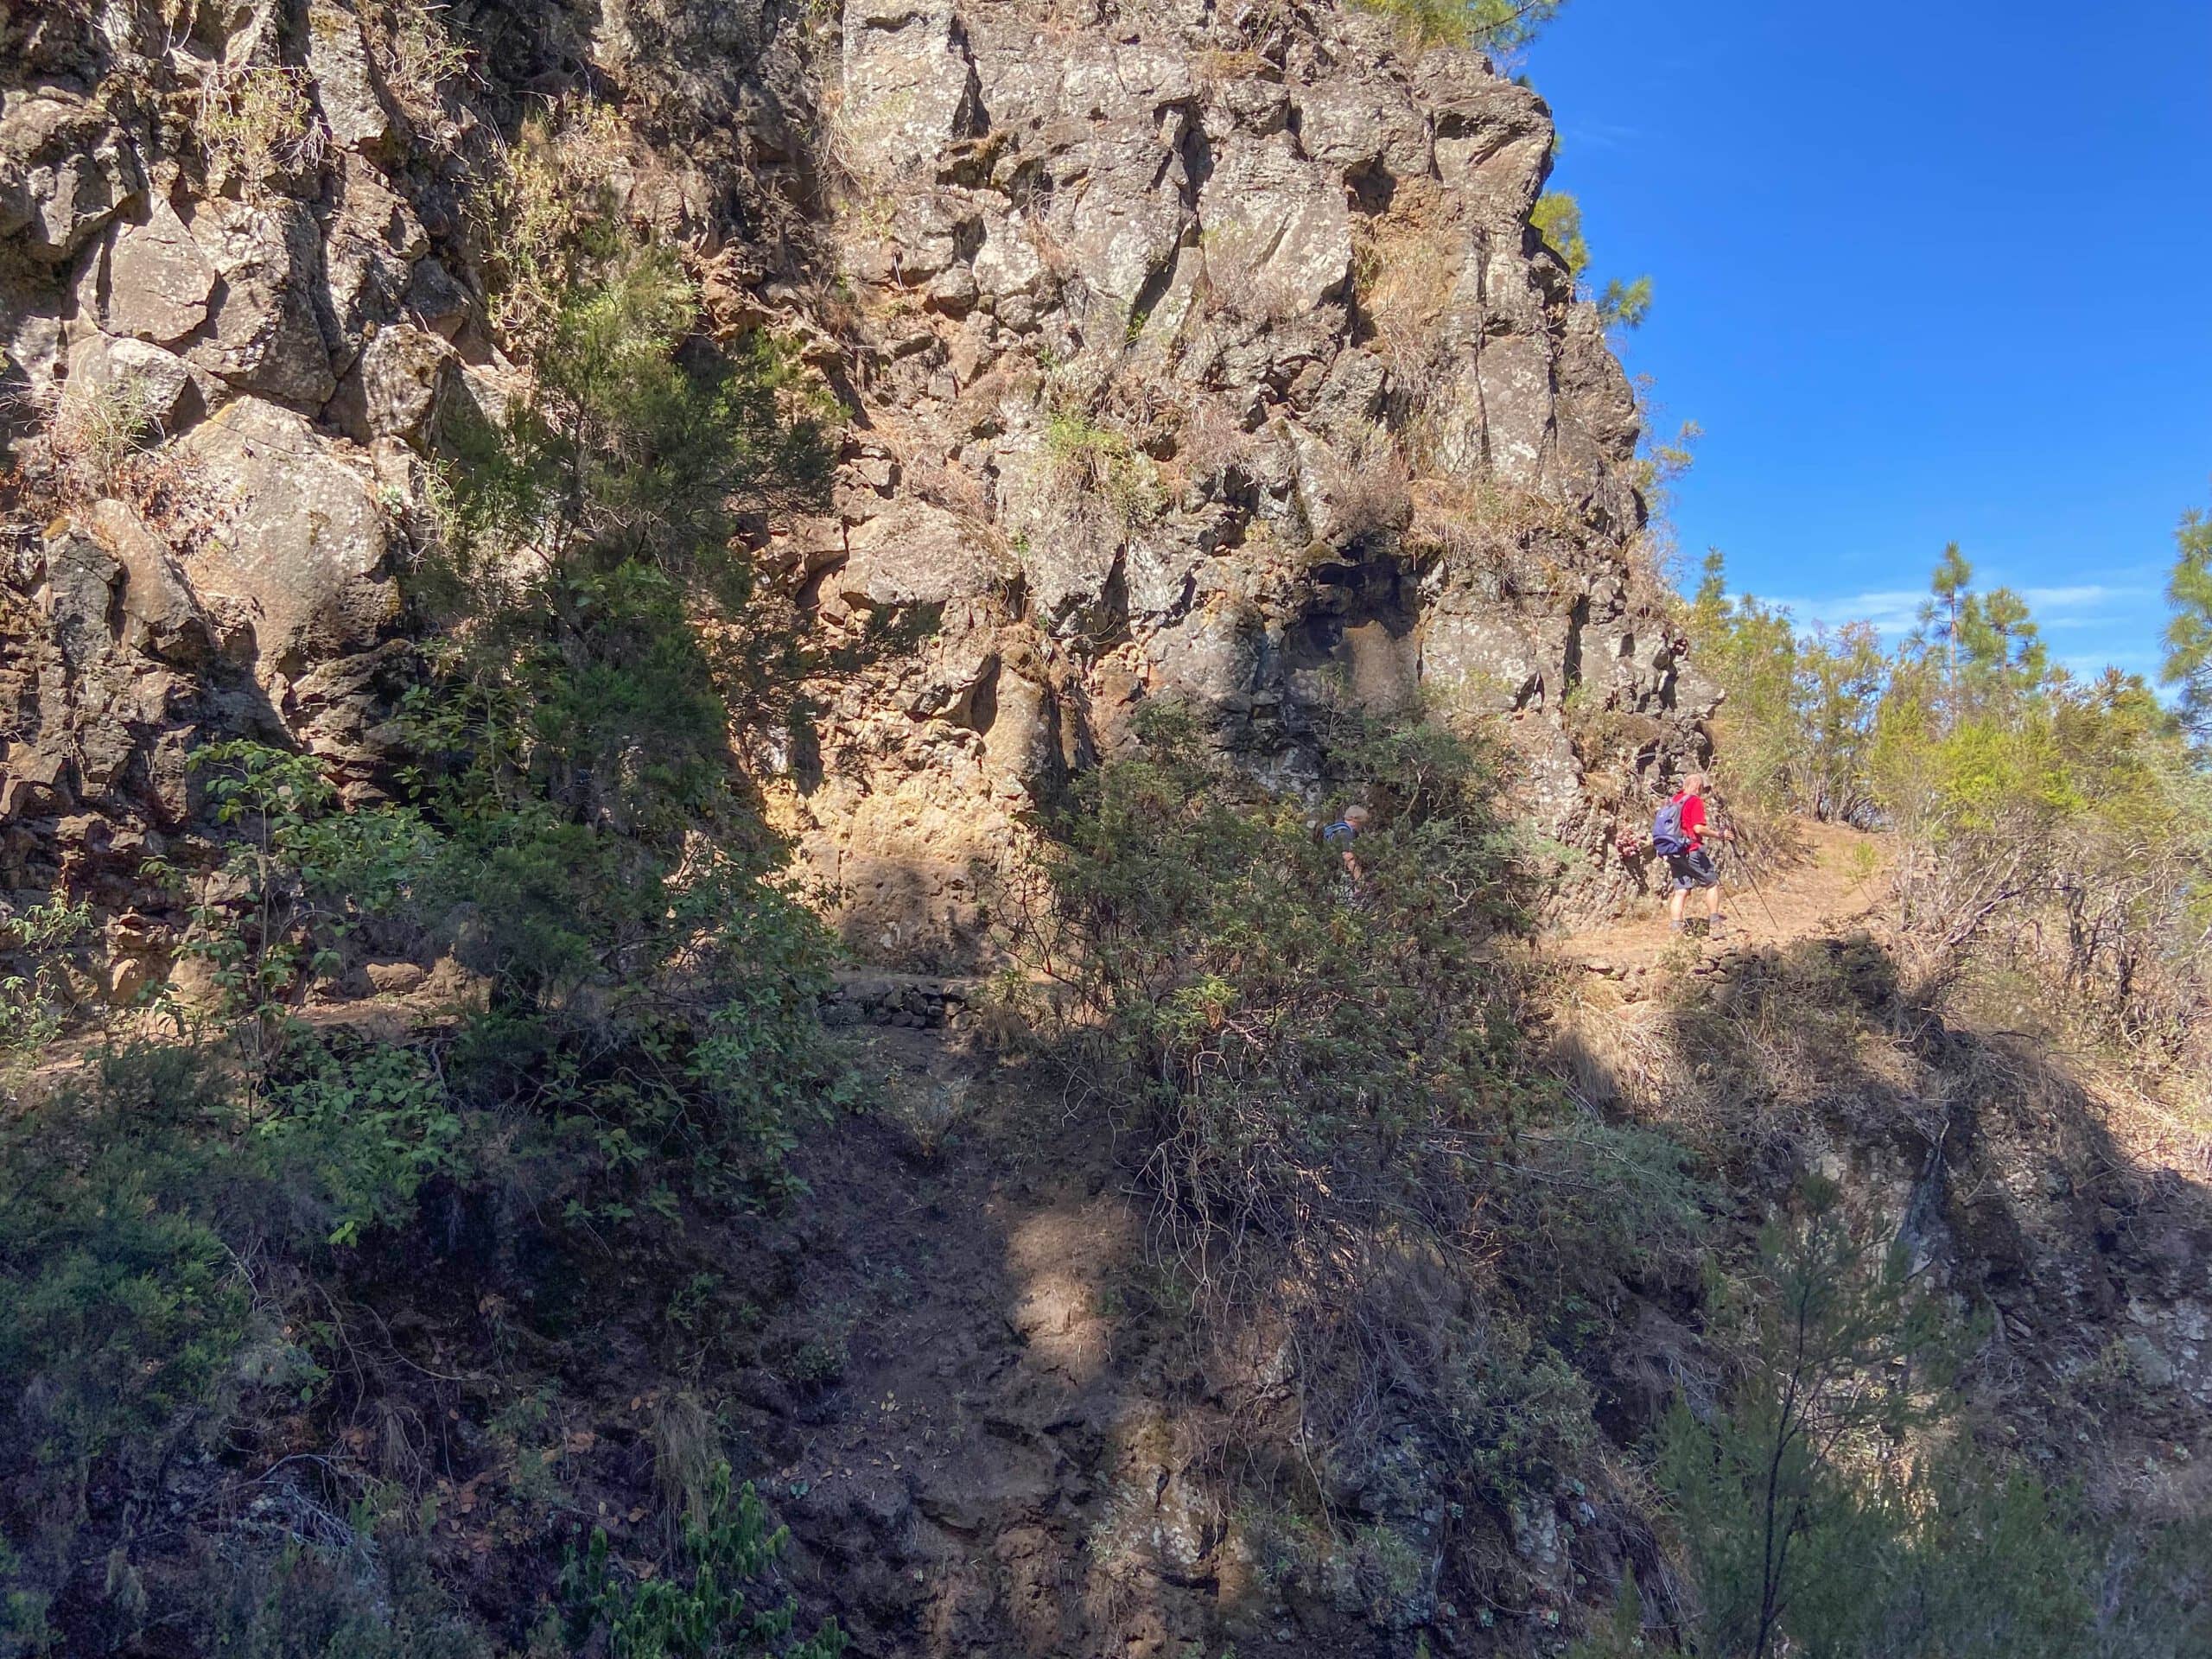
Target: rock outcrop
<point x="1184" y="353"/>
<point x="1235" y="349"/>
<point x="1186" y="358"/>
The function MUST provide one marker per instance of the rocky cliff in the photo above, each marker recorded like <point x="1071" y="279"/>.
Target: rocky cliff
<point x="1183" y="353"/>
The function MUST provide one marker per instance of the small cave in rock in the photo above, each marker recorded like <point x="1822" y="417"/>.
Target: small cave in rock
<point x="1356" y="641"/>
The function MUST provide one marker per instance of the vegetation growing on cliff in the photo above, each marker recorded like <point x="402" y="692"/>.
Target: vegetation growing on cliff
<point x="196" y="1229"/>
<point x="437" y="1322"/>
<point x="1498" y="26"/>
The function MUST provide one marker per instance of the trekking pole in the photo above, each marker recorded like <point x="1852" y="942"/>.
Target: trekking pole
<point x="1757" y="892"/>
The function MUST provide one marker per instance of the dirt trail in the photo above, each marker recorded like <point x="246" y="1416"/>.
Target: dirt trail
<point x="1813" y="879"/>
<point x="962" y="1416"/>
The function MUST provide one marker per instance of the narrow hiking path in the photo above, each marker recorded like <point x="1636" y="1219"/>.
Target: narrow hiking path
<point x="1812" y="878"/>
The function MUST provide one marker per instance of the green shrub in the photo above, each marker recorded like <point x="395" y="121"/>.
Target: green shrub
<point x="366" y="1599"/>
<point x="47" y="948"/>
<point x="1483" y="25"/>
<point x="1324" y="1082"/>
<point x="298" y="874"/>
<point x="124" y="1306"/>
<point x="356" y="1127"/>
<point x="1293" y="1056"/>
<point x="701" y="1607"/>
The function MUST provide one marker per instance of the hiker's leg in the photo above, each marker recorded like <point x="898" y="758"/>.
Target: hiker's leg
<point x="1713" y="903"/>
<point x="1674" y="902"/>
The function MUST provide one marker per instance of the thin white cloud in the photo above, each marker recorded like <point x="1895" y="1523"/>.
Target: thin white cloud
<point x="2085" y="593"/>
<point x="1893" y="611"/>
<point x="1600" y="135"/>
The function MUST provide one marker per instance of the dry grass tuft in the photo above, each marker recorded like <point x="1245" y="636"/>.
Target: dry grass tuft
<point x="258" y="126"/>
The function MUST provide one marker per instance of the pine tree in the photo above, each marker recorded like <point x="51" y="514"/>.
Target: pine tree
<point x="2189" y="636"/>
<point x="1952" y="577"/>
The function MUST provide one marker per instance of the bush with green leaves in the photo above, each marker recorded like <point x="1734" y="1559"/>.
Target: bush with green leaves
<point x="703" y="1606"/>
<point x="1291" y="1057"/>
<point x="1834" y="1345"/>
<point x="124" y="1303"/>
<point x="2188" y="665"/>
<point x="1482" y="25"/>
<point x="1831" y="1503"/>
<point x="298" y="874"/>
<point x="368" y="1598"/>
<point x="46" y="947"/>
<point x="154" y="1219"/>
<point x="1321" y="1078"/>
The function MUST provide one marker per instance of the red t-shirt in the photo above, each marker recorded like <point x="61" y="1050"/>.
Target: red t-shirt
<point x="1693" y="820"/>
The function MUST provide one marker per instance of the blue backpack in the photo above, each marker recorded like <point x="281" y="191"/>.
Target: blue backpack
<point x="1667" y="837"/>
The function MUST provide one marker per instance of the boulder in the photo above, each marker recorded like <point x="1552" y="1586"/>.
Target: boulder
<point x="404" y="373"/>
<point x="1008" y="263"/>
<point x="162" y="617"/>
<point x="1515" y="378"/>
<point x="1125" y="212"/>
<point x="1357" y="124"/>
<point x="159" y="281"/>
<point x="1476" y="659"/>
<point x="304" y="558"/>
<point x="916" y="554"/>
<point x="267" y="337"/>
<point x="436" y="299"/>
<point x="66" y="170"/>
<point x="156" y="383"/>
<point x="80" y="582"/>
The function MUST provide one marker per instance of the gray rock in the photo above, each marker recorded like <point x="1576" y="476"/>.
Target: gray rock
<point x="1516" y="375"/>
<point x="266" y="334"/>
<point x="158" y="281"/>
<point x="436" y="299"/>
<point x="80" y="582"/>
<point x="1124" y="212"/>
<point x="1351" y="127"/>
<point x="345" y="79"/>
<point x="405" y="372"/>
<point x="917" y="554"/>
<point x="66" y="170"/>
<point x="303" y="561"/>
<point x="369" y="247"/>
<point x="1277" y="235"/>
<point x="156" y="383"/>
<point x="34" y="353"/>
<point x="162" y="617"/>
<point x="909" y="88"/>
<point x="1476" y="657"/>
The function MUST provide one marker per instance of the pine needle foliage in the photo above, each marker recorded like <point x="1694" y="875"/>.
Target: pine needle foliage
<point x="1492" y="25"/>
<point x="2189" y="636"/>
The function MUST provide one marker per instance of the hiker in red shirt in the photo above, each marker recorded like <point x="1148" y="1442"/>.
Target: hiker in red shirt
<point x="1678" y="836"/>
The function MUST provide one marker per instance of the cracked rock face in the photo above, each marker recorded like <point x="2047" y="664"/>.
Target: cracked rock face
<point x="221" y="565"/>
<point x="1185" y="357"/>
<point x="1240" y="350"/>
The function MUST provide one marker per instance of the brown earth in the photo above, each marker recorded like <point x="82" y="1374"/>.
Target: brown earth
<point x="1800" y="879"/>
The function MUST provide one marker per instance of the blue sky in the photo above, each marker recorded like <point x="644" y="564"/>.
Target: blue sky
<point x="1941" y="273"/>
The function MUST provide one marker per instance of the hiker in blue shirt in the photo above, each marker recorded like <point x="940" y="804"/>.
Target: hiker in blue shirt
<point x="1341" y="834"/>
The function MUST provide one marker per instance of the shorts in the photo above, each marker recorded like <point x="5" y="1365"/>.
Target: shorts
<point x="1693" y="869"/>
